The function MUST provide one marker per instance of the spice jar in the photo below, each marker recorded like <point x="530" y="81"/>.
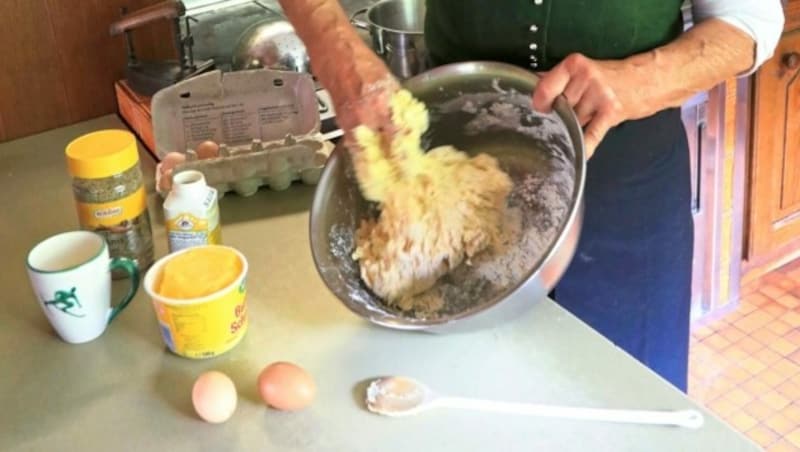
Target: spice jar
<point x="109" y="193"/>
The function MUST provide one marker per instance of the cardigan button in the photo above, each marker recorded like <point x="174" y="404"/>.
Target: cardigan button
<point x="537" y="2"/>
<point x="534" y="28"/>
<point x="534" y="65"/>
<point x="534" y="46"/>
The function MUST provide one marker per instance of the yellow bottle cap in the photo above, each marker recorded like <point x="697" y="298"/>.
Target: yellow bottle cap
<point x="102" y="154"/>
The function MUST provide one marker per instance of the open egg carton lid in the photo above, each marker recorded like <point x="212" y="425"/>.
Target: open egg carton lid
<point x="242" y="130"/>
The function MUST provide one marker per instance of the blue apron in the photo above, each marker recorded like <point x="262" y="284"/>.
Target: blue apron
<point x="630" y="278"/>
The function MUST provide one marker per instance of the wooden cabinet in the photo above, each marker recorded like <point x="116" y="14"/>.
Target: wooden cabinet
<point x="59" y="63"/>
<point x="773" y="218"/>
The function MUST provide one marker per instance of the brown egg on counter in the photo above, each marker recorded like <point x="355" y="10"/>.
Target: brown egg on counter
<point x="285" y="386"/>
<point x="214" y="397"/>
<point x="207" y="150"/>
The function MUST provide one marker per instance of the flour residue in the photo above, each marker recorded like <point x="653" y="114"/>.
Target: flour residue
<point x="509" y="111"/>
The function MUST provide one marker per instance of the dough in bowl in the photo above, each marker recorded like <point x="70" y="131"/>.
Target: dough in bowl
<point x="436" y="208"/>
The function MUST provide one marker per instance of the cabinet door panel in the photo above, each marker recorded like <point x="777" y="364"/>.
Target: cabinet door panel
<point x="775" y="170"/>
<point x="790" y="199"/>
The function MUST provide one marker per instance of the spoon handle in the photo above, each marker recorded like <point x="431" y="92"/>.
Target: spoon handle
<point x="683" y="418"/>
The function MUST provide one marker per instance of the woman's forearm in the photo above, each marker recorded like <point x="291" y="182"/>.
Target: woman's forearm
<point x="701" y="58"/>
<point x="604" y="93"/>
<point x="340" y="59"/>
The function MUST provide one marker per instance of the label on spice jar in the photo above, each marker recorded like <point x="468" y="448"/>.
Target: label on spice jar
<point x="109" y="214"/>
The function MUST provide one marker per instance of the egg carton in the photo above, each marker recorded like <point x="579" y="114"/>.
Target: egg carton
<point x="264" y="126"/>
<point x="244" y="170"/>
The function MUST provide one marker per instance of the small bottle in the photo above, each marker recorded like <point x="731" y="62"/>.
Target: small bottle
<point x="191" y="212"/>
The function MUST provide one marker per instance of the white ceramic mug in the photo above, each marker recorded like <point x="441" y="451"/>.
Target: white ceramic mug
<point x="71" y="276"/>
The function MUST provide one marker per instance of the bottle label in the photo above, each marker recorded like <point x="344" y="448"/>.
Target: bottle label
<point x="114" y="213"/>
<point x="186" y="230"/>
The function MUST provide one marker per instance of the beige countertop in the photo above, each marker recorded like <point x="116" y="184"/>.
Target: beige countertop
<point x="125" y="391"/>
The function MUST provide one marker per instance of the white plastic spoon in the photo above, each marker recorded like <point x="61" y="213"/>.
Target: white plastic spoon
<point x="402" y="396"/>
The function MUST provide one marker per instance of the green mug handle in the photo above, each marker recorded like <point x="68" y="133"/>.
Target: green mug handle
<point x="129" y="267"/>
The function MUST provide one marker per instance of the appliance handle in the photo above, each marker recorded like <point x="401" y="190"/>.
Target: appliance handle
<point x="359" y="23"/>
<point x="332" y="135"/>
<point x="169" y="9"/>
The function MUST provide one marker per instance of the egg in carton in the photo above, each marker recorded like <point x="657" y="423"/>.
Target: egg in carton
<point x="247" y="168"/>
<point x="242" y="130"/>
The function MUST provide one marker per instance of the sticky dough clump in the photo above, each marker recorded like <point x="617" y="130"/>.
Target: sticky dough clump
<point x="437" y="208"/>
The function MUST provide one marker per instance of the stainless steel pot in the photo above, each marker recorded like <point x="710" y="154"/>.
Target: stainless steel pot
<point x="397" y="31"/>
<point x="338" y="206"/>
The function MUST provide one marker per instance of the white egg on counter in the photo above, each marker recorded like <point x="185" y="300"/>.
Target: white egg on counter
<point x="214" y="397"/>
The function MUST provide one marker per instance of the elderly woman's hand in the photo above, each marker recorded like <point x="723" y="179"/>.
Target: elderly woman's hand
<point x="359" y="82"/>
<point x="602" y="93"/>
<point x="367" y="104"/>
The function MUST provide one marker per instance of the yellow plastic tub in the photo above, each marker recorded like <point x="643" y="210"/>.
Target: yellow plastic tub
<point x="201" y="327"/>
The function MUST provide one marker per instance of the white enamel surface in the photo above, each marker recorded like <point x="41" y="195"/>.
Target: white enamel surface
<point x="127" y="392"/>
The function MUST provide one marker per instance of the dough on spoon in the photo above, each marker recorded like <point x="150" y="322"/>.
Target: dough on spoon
<point x="436" y="208"/>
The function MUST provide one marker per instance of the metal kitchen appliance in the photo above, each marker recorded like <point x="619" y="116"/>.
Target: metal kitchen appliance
<point x="270" y="44"/>
<point x="148" y="77"/>
<point x="477" y="107"/>
<point x="397" y="31"/>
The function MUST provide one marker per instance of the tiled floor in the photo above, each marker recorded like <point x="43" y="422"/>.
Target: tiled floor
<point x="746" y="366"/>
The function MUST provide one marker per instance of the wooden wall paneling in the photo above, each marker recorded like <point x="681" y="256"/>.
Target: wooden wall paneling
<point x="60" y="63"/>
<point x="2" y="126"/>
<point x="87" y="55"/>
<point x="91" y="60"/>
<point x="32" y="92"/>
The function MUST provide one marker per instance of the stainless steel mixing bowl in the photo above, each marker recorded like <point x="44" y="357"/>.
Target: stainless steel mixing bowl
<point x="454" y="94"/>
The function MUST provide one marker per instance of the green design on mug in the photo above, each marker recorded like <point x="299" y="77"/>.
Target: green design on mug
<point x="65" y="301"/>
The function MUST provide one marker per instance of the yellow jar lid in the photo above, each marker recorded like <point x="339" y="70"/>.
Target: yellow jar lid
<point x="102" y="154"/>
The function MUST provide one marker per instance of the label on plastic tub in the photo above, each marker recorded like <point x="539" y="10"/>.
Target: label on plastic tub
<point x="204" y="330"/>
